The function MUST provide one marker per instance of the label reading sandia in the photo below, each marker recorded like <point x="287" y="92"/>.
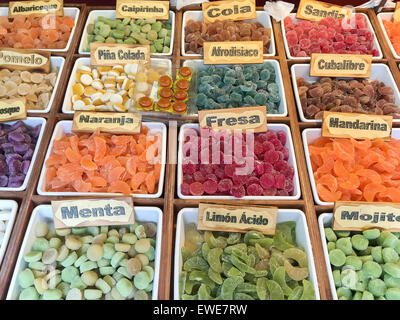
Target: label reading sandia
<point x="18" y="59"/>
<point x="318" y="10"/>
<point x="12" y="109"/>
<point x="246" y="118"/>
<point x="229" y="10"/>
<point x="158" y="10"/>
<point x="356" y="125"/>
<point x="344" y="65"/>
<point x="227" y="218"/>
<point x="111" y="54"/>
<point x="233" y="52"/>
<point x="93" y="212"/>
<point x="37" y="8"/>
<point x="359" y="216"/>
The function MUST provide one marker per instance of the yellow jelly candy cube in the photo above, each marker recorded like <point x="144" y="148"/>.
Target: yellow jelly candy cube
<point x="78" y="89"/>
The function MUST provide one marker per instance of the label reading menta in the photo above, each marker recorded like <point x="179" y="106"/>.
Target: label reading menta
<point x="356" y="125"/>
<point x="110" y="54"/>
<point x="36" y="8"/>
<point x="318" y="10"/>
<point x="246" y="118"/>
<point x="93" y="212"/>
<point x="16" y="59"/>
<point x="158" y="10"/>
<point x="233" y="52"/>
<point x="12" y="109"/>
<point x="226" y="218"/>
<point x="229" y="10"/>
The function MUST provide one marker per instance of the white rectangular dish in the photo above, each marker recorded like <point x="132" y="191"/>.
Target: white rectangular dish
<point x="379" y="71"/>
<point x="43" y="213"/>
<point x="110" y="14"/>
<point x="8" y="218"/>
<point x="388" y="16"/>
<point x="199" y="64"/>
<point x="291" y="161"/>
<point x="190" y="215"/>
<point x="65" y="126"/>
<point x="262" y="17"/>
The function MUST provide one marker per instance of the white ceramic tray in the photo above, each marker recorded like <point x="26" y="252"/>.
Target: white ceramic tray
<point x="9" y="218"/>
<point x="387" y="16"/>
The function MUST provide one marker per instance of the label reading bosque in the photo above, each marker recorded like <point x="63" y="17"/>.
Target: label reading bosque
<point x="227" y="218"/>
<point x="356" y="125"/>
<point x="396" y="14"/>
<point x="366" y="215"/>
<point x="229" y="10"/>
<point x="112" y="122"/>
<point x="93" y="212"/>
<point x="345" y="65"/>
<point x="158" y="10"/>
<point x="233" y="52"/>
<point x="36" y="8"/>
<point x="110" y="54"/>
<point x="246" y="118"/>
<point x="32" y="60"/>
<point x="318" y="10"/>
<point x="12" y="109"/>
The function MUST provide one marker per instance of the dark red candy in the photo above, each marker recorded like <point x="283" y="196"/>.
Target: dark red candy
<point x="261" y="137"/>
<point x="258" y="147"/>
<point x="239" y="179"/>
<point x="205" y="169"/>
<point x="255" y="190"/>
<point x="189" y="168"/>
<point x="212" y="176"/>
<point x="268" y="167"/>
<point x="277" y="144"/>
<point x="188" y="178"/>
<point x="269" y="192"/>
<point x="285" y="152"/>
<point x="220" y="173"/>
<point x="229" y="170"/>
<point x="238" y="191"/>
<point x="289" y="186"/>
<point x="210" y="186"/>
<point x="271" y="156"/>
<point x="267" y="146"/>
<point x="267" y="180"/>
<point x="185" y="189"/>
<point x="282" y="136"/>
<point x="282" y="193"/>
<point x="225" y="185"/>
<point x="196" y="188"/>
<point x="288" y="172"/>
<point x="252" y="180"/>
<point x="271" y="135"/>
<point x="199" y="176"/>
<point x="279" y="181"/>
<point x="280" y="165"/>
<point x="258" y="168"/>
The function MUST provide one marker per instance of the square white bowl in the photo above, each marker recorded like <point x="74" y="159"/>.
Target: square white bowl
<point x="69" y="12"/>
<point x="110" y="14"/>
<point x="11" y="206"/>
<point x="32" y="122"/>
<point x="67" y="104"/>
<point x="389" y="17"/>
<point x="64" y="127"/>
<point x="293" y="16"/>
<point x="262" y="17"/>
<point x="291" y="161"/>
<point x="44" y="213"/>
<point x="379" y="71"/>
<point x="190" y="215"/>
<point x="199" y="64"/>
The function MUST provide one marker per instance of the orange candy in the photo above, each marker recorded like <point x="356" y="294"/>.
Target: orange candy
<point x="393" y="31"/>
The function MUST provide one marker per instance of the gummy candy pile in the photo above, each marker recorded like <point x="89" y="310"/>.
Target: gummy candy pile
<point x="393" y="31"/>
<point x="329" y="36"/>
<point x="271" y="175"/>
<point x="360" y="96"/>
<point x="238" y="86"/>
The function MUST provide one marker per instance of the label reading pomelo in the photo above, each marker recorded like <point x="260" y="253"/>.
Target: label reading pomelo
<point x="246" y="118"/>
<point x="158" y="10"/>
<point x="227" y="218"/>
<point x="29" y="60"/>
<point x="318" y="10"/>
<point x="112" y="122"/>
<point x="396" y="14"/>
<point x="356" y="125"/>
<point x="37" y="8"/>
<point x="12" y="109"/>
<point x="229" y="10"/>
<point x="358" y="216"/>
<point x="233" y="52"/>
<point x="343" y="65"/>
<point x="111" y="54"/>
<point x="93" y="212"/>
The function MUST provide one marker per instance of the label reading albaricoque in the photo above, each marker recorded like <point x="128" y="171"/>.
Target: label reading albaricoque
<point x="12" y="109"/>
<point x="36" y="8"/>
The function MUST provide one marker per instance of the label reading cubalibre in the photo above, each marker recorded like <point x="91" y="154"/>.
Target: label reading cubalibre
<point x="111" y="54"/>
<point x="28" y="60"/>
<point x="229" y="10"/>
<point x="233" y="52"/>
<point x="158" y="10"/>
<point x="36" y="8"/>
<point x="318" y="10"/>
<point x="12" y="109"/>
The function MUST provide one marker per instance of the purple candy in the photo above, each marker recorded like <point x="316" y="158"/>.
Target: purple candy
<point x="21" y="147"/>
<point x="16" y="136"/>
<point x="11" y="156"/>
<point x="7" y="147"/>
<point x="17" y="125"/>
<point x="3" y="181"/>
<point x="15" y="166"/>
<point x="36" y="131"/>
<point x="28" y="155"/>
<point x="25" y="166"/>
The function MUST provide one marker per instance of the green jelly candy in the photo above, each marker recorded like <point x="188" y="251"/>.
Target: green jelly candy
<point x="376" y="253"/>
<point x="64" y="288"/>
<point x="92" y="294"/>
<point x="391" y="282"/>
<point x="372" y="270"/>
<point x="331" y="246"/>
<point x="29" y="293"/>
<point x="337" y="278"/>
<point x="37" y="265"/>
<point x="354" y="262"/>
<point x="104" y="271"/>
<point x="308" y="291"/>
<point x="392" y="294"/>
<point x="342" y="234"/>
<point x="103" y="286"/>
<point x="103" y="263"/>
<point x="124" y="272"/>
<point x="337" y="257"/>
<point x="344" y="292"/>
<point x="40" y="244"/>
<point x="377" y="287"/>
<point x="116" y="258"/>
<point x="330" y="234"/>
<point x="372" y="234"/>
<point x="69" y="261"/>
<point x="124" y="287"/>
<point x="78" y="283"/>
<point x="389" y="255"/>
<point x="55" y="243"/>
<point x="367" y="296"/>
<point x="52" y="294"/>
<point x="357" y="295"/>
<point x="275" y="291"/>
<point x="359" y="242"/>
<point x="26" y="278"/>
<point x="345" y="245"/>
<point x="33" y="256"/>
<point x="392" y="269"/>
<point x="87" y="266"/>
<point x="69" y="273"/>
<point x="349" y="279"/>
<point x="141" y="280"/>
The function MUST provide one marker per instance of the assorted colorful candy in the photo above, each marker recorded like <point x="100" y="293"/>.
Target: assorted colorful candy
<point x="393" y="31"/>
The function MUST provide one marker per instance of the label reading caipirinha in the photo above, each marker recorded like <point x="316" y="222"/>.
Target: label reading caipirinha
<point x="12" y="109"/>
<point x="158" y="10"/>
<point x="318" y="10"/>
<point x="229" y="10"/>
<point x="233" y="52"/>
<point x="36" y="8"/>
<point x="18" y="59"/>
<point x="110" y="54"/>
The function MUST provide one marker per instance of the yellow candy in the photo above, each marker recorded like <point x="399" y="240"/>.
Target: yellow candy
<point x="153" y="76"/>
<point x="103" y="70"/>
<point x="87" y="101"/>
<point x="119" y="107"/>
<point x="141" y="77"/>
<point x="89" y="91"/>
<point x="75" y="98"/>
<point x="78" y="89"/>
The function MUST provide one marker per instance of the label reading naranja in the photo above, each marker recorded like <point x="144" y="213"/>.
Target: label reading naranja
<point x="112" y="122"/>
<point x="246" y="118"/>
<point x="37" y="8"/>
<point x="93" y="212"/>
<point x="111" y="54"/>
<point x="32" y="60"/>
<point x="229" y="10"/>
<point x="356" y="125"/>
<point x="345" y="65"/>
<point x="318" y="10"/>
<point x="396" y="14"/>
<point x="158" y="10"/>
<point x="12" y="109"/>
<point x="233" y="52"/>
<point x="359" y="216"/>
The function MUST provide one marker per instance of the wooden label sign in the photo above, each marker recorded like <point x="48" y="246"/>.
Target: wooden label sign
<point x="158" y="10"/>
<point x="226" y="218"/>
<point x="37" y="8"/>
<point x="229" y="10"/>
<point x="233" y="52"/>
<point x="18" y="59"/>
<point x="12" y="109"/>
<point x="359" y="216"/>
<point x="93" y="212"/>
<point x="112" y="122"/>
<point x="317" y="10"/>
<point x="396" y="14"/>
<point x="246" y="118"/>
<point x="356" y="125"/>
<point x="110" y="54"/>
<point x="343" y="65"/>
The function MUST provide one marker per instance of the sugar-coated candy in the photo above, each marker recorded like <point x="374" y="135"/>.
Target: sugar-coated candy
<point x="392" y="28"/>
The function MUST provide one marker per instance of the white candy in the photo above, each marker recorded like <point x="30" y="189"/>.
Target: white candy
<point x="79" y="105"/>
<point x="86" y="79"/>
<point x="106" y="97"/>
<point x="97" y="84"/>
<point x="116" y="98"/>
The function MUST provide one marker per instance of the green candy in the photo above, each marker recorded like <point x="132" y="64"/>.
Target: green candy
<point x="69" y="273"/>
<point x="354" y="262"/>
<point x="337" y="257"/>
<point x="389" y="255"/>
<point x="124" y="287"/>
<point x="40" y="244"/>
<point x="29" y="293"/>
<point x="52" y="294"/>
<point x="392" y="269"/>
<point x="345" y="245"/>
<point x="141" y="280"/>
<point x="372" y="270"/>
<point x="92" y="294"/>
<point x="69" y="261"/>
<point x="359" y="242"/>
<point x="26" y="278"/>
<point x="371" y="234"/>
<point x="377" y="287"/>
<point x="33" y="256"/>
<point x="392" y="294"/>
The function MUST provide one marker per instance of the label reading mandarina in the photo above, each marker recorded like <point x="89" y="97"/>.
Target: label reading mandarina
<point x="12" y="109"/>
<point x="103" y="54"/>
<point x="93" y="212"/>
<point x="345" y="65"/>
<point x="318" y="10"/>
<point x="158" y="10"/>
<point x="36" y="8"/>
<point x="19" y="59"/>
<point x="358" y="216"/>
<point x="228" y="218"/>
<point x="229" y="10"/>
<point x="233" y="52"/>
<point x="246" y="118"/>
